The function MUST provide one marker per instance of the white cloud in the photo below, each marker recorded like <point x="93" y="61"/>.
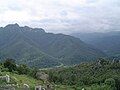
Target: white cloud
<point x="62" y="15"/>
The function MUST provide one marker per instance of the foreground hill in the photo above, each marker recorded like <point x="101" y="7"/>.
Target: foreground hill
<point x="100" y="73"/>
<point x="35" y="47"/>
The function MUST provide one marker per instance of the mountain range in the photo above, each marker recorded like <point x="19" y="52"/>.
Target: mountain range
<point x="35" y="47"/>
<point x="108" y="42"/>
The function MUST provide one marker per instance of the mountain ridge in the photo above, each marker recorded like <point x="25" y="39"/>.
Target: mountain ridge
<point x="44" y="47"/>
<point x="108" y="42"/>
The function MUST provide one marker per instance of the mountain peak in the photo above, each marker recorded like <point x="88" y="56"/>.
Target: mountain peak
<point x="12" y="25"/>
<point x="17" y="27"/>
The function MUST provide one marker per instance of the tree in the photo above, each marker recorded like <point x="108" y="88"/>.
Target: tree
<point x="10" y="64"/>
<point x="117" y="82"/>
<point x="23" y="69"/>
<point x="110" y="82"/>
<point x="33" y="72"/>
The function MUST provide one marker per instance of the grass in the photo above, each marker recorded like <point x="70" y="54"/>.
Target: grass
<point x="23" y="79"/>
<point x="63" y="87"/>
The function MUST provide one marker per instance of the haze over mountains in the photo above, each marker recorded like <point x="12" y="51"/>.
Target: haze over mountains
<point x="108" y="42"/>
<point x="35" y="47"/>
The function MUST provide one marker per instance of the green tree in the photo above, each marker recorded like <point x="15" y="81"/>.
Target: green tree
<point x="23" y="69"/>
<point x="10" y="64"/>
<point x="117" y="82"/>
<point x="110" y="82"/>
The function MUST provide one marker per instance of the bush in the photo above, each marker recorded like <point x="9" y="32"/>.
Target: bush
<point x="110" y="82"/>
<point x="23" y="69"/>
<point x="10" y="64"/>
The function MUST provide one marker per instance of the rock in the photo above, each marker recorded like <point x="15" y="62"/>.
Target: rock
<point x="49" y="87"/>
<point x="7" y="87"/>
<point x="42" y="76"/>
<point x="38" y="87"/>
<point x="5" y="78"/>
<point x="83" y="88"/>
<point x="26" y="87"/>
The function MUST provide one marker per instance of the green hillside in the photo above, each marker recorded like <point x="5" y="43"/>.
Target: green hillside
<point x="100" y="75"/>
<point x="108" y="42"/>
<point x="35" y="47"/>
<point x="26" y="53"/>
<point x="89" y="75"/>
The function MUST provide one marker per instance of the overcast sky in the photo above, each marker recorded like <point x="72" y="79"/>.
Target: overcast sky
<point x="65" y="16"/>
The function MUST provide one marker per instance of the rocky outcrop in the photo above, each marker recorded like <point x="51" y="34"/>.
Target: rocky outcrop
<point x="42" y="76"/>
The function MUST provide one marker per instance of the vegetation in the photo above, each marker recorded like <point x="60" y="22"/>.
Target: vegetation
<point x="101" y="74"/>
<point x="19" y="74"/>
<point x="35" y="47"/>
<point x="22" y="79"/>
<point x="108" y="42"/>
<point x="9" y="65"/>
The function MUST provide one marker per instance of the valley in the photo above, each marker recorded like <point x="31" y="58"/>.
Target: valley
<point x="33" y="58"/>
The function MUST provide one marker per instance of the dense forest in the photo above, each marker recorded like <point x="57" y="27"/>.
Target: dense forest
<point x="102" y="72"/>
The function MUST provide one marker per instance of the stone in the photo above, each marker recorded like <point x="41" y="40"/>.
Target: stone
<point x="38" y="87"/>
<point x="26" y="87"/>
<point x="7" y="78"/>
<point x="42" y="76"/>
<point x="7" y="87"/>
<point x="49" y="87"/>
<point x="83" y="89"/>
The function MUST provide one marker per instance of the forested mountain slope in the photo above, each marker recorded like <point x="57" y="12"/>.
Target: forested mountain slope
<point x="35" y="47"/>
<point x="108" y="42"/>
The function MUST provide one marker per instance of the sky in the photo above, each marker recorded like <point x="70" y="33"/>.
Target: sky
<point x="62" y="16"/>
